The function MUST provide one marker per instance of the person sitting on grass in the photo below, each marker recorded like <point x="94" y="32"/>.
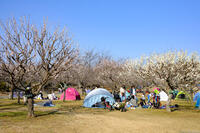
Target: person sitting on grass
<point x="120" y="105"/>
<point x="142" y="103"/>
<point x="108" y="106"/>
<point x="103" y="101"/>
<point x="101" y="104"/>
<point x="123" y="107"/>
<point x="116" y="96"/>
<point x="132" y="102"/>
<point x="116" y="105"/>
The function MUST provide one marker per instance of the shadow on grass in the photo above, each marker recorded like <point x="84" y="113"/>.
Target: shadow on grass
<point x="173" y="110"/>
<point x="10" y="108"/>
<point x="11" y="104"/>
<point x="13" y="114"/>
<point x="80" y="109"/>
<point x="39" y="113"/>
<point x="24" y="114"/>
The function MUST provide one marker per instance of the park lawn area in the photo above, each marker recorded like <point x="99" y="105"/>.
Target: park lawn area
<point x="71" y="117"/>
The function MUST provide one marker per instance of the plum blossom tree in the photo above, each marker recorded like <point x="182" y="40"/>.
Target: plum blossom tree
<point x="171" y="70"/>
<point x="32" y="56"/>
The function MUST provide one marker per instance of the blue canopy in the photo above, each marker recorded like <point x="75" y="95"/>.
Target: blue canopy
<point x="95" y="96"/>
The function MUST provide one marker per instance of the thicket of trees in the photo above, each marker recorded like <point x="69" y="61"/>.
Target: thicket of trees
<point x="35" y="57"/>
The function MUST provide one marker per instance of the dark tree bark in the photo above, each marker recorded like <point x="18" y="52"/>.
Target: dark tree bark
<point x="18" y="97"/>
<point x="170" y="95"/>
<point x="64" y="95"/>
<point x="191" y="94"/>
<point x="30" y="107"/>
<point x="12" y="92"/>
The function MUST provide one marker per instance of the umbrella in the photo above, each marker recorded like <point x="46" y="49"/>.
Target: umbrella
<point x="156" y="90"/>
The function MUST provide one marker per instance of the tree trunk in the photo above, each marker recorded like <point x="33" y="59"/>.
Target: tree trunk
<point x="12" y="93"/>
<point x="82" y="92"/>
<point x="168" y="103"/>
<point x="79" y="87"/>
<point x="18" y="97"/>
<point x="170" y="95"/>
<point x="25" y="100"/>
<point x="113" y="90"/>
<point x="64" y="94"/>
<point x="191" y="95"/>
<point x="30" y="107"/>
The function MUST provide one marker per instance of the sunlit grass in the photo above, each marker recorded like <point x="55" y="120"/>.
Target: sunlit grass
<point x="71" y="117"/>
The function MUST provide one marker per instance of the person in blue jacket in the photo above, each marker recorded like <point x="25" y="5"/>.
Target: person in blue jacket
<point x="197" y="98"/>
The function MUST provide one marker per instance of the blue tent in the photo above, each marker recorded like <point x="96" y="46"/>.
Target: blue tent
<point x="95" y="96"/>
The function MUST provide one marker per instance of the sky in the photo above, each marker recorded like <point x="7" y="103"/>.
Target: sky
<point x="120" y="28"/>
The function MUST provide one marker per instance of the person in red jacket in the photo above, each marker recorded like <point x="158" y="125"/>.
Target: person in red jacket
<point x="108" y="106"/>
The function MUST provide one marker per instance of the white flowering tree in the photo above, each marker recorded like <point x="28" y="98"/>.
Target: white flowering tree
<point x="109" y="73"/>
<point x="17" y="53"/>
<point x="171" y="70"/>
<point x="32" y="56"/>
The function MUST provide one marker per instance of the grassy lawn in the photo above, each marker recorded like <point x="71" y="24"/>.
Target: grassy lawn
<point x="71" y="117"/>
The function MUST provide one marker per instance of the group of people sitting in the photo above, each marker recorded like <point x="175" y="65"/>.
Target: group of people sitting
<point x="103" y="104"/>
<point x="123" y="101"/>
<point x="51" y="96"/>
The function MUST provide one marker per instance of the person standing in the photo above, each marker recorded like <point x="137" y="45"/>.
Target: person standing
<point x="148" y="98"/>
<point x="143" y="98"/>
<point x="133" y="91"/>
<point x="197" y="98"/>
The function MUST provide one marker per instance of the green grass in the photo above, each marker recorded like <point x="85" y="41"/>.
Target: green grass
<point x="71" y="117"/>
<point x="10" y="108"/>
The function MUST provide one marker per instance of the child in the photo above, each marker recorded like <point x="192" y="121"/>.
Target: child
<point x="108" y="106"/>
<point x="142" y="103"/>
<point x="143" y="98"/>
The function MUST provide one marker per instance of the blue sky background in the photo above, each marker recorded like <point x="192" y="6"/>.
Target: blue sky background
<point x="123" y="28"/>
